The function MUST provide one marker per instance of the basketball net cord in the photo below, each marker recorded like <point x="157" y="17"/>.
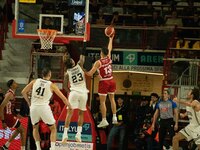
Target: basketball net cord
<point x="46" y="37"/>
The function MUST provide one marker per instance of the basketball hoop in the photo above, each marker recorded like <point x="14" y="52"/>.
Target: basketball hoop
<point x="46" y="37"/>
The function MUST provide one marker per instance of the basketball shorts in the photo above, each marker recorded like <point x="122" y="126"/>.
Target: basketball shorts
<point x="78" y="100"/>
<point x="10" y="120"/>
<point x="191" y="132"/>
<point x="107" y="87"/>
<point x="41" y="112"/>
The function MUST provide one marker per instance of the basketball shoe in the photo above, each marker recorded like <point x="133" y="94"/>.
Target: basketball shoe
<point x="103" y="123"/>
<point x="78" y="137"/>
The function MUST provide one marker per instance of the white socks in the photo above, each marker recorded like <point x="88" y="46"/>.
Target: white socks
<point x="7" y="144"/>
<point x="53" y="145"/>
<point x="38" y="145"/>
<point x="79" y="129"/>
<point x="65" y="132"/>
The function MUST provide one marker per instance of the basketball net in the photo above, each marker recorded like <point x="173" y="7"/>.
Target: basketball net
<point x="46" y="37"/>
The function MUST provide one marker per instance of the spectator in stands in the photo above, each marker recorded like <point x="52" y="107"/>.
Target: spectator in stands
<point x="182" y="43"/>
<point x="141" y="112"/>
<point x="151" y="143"/>
<point x="116" y="19"/>
<point x="152" y="104"/>
<point x="133" y="20"/>
<point x="196" y="45"/>
<point x="100" y="19"/>
<point x="174" y="20"/>
<point x="196" y="20"/>
<point x="155" y="20"/>
<point x="167" y="110"/>
<point x="120" y="128"/>
<point x="108" y="7"/>
<point x="189" y="10"/>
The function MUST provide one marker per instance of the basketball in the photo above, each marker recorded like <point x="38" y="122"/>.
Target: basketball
<point x="109" y="31"/>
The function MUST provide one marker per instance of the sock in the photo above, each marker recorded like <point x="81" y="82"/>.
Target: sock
<point x="65" y="131"/>
<point x="7" y="144"/>
<point x="38" y="145"/>
<point x="114" y="115"/>
<point x="79" y="129"/>
<point x="53" y="145"/>
<point x="104" y="119"/>
<point x="22" y="147"/>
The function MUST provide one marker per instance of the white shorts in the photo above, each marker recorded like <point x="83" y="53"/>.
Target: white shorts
<point x="78" y="100"/>
<point x="41" y="112"/>
<point x="191" y="133"/>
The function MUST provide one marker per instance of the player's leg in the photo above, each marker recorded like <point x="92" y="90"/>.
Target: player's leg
<point x="103" y="109"/>
<point x="36" y="136"/>
<point x="19" y="129"/>
<point x="73" y="100"/>
<point x="111" y="91"/>
<point x="13" y="122"/>
<point x="48" y="118"/>
<point x="53" y="135"/>
<point x="82" y="108"/>
<point x="67" y="122"/>
<point x="80" y="124"/>
<point x="113" y="107"/>
<point x="22" y="136"/>
<point x="103" y="90"/>
<point x="176" y="139"/>
<point x="35" y="118"/>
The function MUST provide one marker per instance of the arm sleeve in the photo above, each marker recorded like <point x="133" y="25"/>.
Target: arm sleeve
<point x="157" y="105"/>
<point x="83" y="52"/>
<point x="174" y="105"/>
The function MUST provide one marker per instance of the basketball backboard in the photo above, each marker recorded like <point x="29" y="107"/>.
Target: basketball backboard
<point x="68" y="17"/>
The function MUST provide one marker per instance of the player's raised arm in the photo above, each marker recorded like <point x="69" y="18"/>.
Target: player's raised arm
<point x="60" y="94"/>
<point x="82" y="56"/>
<point x="110" y="45"/>
<point x="94" y="68"/>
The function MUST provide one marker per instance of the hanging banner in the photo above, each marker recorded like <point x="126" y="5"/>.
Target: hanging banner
<point x="133" y="61"/>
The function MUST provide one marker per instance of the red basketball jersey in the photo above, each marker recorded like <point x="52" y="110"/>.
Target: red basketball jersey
<point x="9" y="112"/>
<point x="105" y="69"/>
<point x="10" y="107"/>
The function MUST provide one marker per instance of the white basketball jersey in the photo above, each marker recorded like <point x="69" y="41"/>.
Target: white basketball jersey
<point x="41" y="92"/>
<point x="77" y="79"/>
<point x="193" y="116"/>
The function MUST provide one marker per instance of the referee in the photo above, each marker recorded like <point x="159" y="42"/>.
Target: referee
<point x="167" y="110"/>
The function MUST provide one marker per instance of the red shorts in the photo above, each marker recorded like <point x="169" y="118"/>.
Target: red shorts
<point x="10" y="120"/>
<point x="43" y="127"/>
<point x="107" y="86"/>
